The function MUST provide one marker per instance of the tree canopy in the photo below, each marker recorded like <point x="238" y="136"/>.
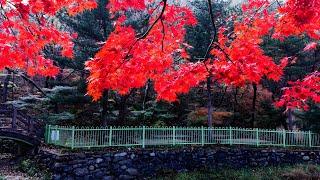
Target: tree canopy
<point x="133" y="55"/>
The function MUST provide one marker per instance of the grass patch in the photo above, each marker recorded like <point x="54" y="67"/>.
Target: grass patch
<point x="297" y="172"/>
<point x="2" y="178"/>
<point x="31" y="169"/>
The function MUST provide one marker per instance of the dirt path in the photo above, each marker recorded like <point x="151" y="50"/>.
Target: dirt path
<point x="9" y="170"/>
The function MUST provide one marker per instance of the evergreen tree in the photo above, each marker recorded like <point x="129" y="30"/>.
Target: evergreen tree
<point x="92" y="28"/>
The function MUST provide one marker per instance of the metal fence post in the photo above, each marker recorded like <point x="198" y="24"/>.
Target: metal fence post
<point x="110" y="136"/>
<point x="284" y="137"/>
<point x="174" y="135"/>
<point x="143" y="137"/>
<point x="72" y="136"/>
<point x="230" y="135"/>
<point x="48" y="132"/>
<point x="202" y="136"/>
<point x="257" y="136"/>
<point x="310" y="139"/>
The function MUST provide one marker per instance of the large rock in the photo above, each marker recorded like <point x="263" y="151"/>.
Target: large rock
<point x="99" y="160"/>
<point x="108" y="178"/>
<point x="306" y="158"/>
<point x="120" y="154"/>
<point x="132" y="172"/>
<point x="125" y="177"/>
<point x="81" y="171"/>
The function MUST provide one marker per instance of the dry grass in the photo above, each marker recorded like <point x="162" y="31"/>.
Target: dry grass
<point x="297" y="172"/>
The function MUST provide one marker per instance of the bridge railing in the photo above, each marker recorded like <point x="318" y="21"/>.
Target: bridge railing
<point x="20" y="121"/>
<point x="73" y="137"/>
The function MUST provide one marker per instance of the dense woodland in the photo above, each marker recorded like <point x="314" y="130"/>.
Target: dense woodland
<point x="181" y="51"/>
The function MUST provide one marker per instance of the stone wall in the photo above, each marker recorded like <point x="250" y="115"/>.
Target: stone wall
<point x="141" y="163"/>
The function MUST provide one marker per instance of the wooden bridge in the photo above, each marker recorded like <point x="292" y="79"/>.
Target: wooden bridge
<point x="16" y="125"/>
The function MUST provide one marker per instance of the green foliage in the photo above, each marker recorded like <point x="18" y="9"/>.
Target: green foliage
<point x="200" y="36"/>
<point x="157" y="114"/>
<point x="67" y="95"/>
<point x="292" y="46"/>
<point x="59" y="118"/>
<point x="309" y="120"/>
<point x="28" y="167"/>
<point x="92" y="28"/>
<point x="196" y="119"/>
<point x="30" y="101"/>
<point x="31" y="169"/>
<point x="270" y="117"/>
<point x="2" y="178"/>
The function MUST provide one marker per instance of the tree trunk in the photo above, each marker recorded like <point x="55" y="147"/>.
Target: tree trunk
<point x="290" y="119"/>
<point x="105" y="107"/>
<point x="210" y="100"/>
<point x="235" y="103"/>
<point x="5" y="88"/>
<point x="123" y="108"/>
<point x="12" y="89"/>
<point x="254" y="100"/>
<point x="145" y="95"/>
<point x="47" y="82"/>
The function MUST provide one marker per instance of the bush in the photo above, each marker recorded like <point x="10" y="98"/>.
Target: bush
<point x="27" y="166"/>
<point x="30" y="168"/>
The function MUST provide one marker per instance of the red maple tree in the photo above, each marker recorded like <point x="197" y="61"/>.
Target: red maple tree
<point x="27" y="27"/>
<point x="129" y="59"/>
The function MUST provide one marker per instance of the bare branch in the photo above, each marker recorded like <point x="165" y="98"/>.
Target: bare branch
<point x="155" y="22"/>
<point x="163" y="34"/>
<point x="144" y="35"/>
<point x="25" y="77"/>
<point x="212" y="20"/>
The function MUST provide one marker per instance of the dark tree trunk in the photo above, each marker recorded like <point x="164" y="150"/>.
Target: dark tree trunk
<point x="123" y="108"/>
<point x="254" y="100"/>
<point x="5" y="90"/>
<point x="144" y="99"/>
<point x="105" y="108"/>
<point x="145" y="95"/>
<point x="210" y="100"/>
<point x="12" y="90"/>
<point x="235" y="103"/>
<point x="46" y="84"/>
<point x="290" y="119"/>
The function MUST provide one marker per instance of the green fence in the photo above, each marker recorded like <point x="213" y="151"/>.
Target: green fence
<point x="73" y="137"/>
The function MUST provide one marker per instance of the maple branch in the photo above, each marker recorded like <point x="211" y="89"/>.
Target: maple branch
<point x="163" y="34"/>
<point x="278" y="3"/>
<point x="155" y="22"/>
<point x="25" y="77"/>
<point x="3" y="13"/>
<point x="214" y="29"/>
<point x="226" y="55"/>
<point x="212" y="20"/>
<point x="144" y="35"/>
<point x="214" y="36"/>
<point x="69" y="75"/>
<point x="224" y="52"/>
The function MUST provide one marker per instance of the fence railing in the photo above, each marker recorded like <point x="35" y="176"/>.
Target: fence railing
<point x="73" y="137"/>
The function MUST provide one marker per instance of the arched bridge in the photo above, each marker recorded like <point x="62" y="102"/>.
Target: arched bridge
<point x="16" y="125"/>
